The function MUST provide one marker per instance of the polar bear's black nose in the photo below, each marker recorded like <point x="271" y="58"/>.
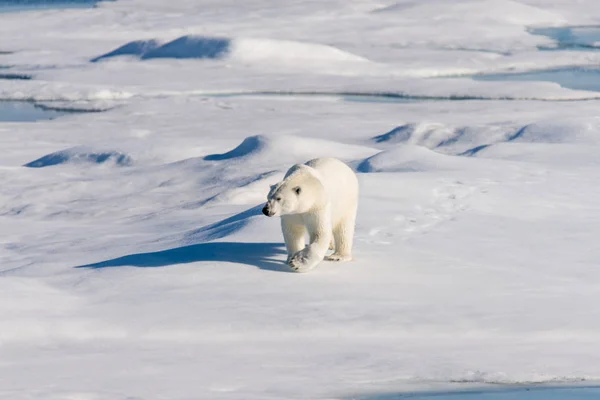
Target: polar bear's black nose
<point x="265" y="210"/>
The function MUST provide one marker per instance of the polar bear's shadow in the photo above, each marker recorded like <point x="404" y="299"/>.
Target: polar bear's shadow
<point x="266" y="256"/>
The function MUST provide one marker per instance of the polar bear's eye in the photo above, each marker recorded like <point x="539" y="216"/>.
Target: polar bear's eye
<point x="297" y="190"/>
<point x="278" y="199"/>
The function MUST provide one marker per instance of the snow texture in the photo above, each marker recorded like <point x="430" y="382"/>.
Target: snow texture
<point x="135" y="262"/>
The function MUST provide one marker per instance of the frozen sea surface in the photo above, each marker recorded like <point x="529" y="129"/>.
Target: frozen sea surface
<point x="135" y="262"/>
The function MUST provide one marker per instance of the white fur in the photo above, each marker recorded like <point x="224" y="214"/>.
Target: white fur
<point x="324" y="208"/>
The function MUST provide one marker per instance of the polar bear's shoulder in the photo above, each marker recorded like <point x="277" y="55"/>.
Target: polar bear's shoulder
<point x="327" y="163"/>
<point x="302" y="171"/>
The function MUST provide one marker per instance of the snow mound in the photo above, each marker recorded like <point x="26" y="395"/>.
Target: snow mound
<point x="462" y="140"/>
<point x="81" y="155"/>
<point x="288" y="149"/>
<point x="242" y="176"/>
<point x="242" y="49"/>
<point x="428" y="134"/>
<point x="248" y="50"/>
<point x="191" y="47"/>
<point x="184" y="47"/>
<point x="563" y="131"/>
<point x="565" y="155"/>
<point x="408" y="158"/>
<point x="252" y="191"/>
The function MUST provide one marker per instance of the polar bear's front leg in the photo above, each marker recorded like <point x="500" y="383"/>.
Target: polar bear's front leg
<point x="319" y="229"/>
<point x="294" y="230"/>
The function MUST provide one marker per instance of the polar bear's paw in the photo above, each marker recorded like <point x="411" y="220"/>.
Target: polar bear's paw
<point x="298" y="262"/>
<point x="304" y="260"/>
<point x="338" y="257"/>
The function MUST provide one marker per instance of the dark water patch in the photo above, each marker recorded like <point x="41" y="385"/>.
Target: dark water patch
<point x="524" y="392"/>
<point x="21" y="111"/>
<point x="29" y="111"/>
<point x="586" y="38"/>
<point x="574" y="47"/>
<point x="577" y="78"/>
<point x="33" y="5"/>
<point x="372" y="99"/>
<point x="383" y="97"/>
<point x="15" y="76"/>
<point x="70" y="109"/>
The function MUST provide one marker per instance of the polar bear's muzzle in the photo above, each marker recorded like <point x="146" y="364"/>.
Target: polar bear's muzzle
<point x="268" y="211"/>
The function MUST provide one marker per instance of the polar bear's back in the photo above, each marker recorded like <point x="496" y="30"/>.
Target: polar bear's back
<point x="340" y="182"/>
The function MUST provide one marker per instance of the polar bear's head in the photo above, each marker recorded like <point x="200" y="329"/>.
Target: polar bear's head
<point x="298" y="193"/>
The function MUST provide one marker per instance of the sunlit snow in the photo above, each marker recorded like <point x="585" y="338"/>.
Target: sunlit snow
<point x="138" y="141"/>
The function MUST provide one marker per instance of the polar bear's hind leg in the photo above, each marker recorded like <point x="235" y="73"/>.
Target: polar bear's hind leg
<point x="343" y="235"/>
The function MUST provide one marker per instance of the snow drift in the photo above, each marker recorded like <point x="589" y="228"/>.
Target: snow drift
<point x="409" y="158"/>
<point x="81" y="155"/>
<point x="288" y="149"/>
<point x="240" y="49"/>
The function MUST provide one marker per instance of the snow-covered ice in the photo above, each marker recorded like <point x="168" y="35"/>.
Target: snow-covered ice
<point x="135" y="262"/>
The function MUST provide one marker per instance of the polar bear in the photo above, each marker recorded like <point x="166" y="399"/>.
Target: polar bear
<point x="318" y="198"/>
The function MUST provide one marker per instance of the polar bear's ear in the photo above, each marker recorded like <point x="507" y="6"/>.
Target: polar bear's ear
<point x="297" y="190"/>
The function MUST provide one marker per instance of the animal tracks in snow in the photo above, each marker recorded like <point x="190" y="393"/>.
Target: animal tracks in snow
<point x="442" y="204"/>
<point x="447" y="201"/>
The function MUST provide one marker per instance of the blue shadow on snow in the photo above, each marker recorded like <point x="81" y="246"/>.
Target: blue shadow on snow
<point x="136" y="48"/>
<point x="72" y="155"/>
<point x="260" y="255"/>
<point x="190" y="46"/>
<point x="249" y="145"/>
